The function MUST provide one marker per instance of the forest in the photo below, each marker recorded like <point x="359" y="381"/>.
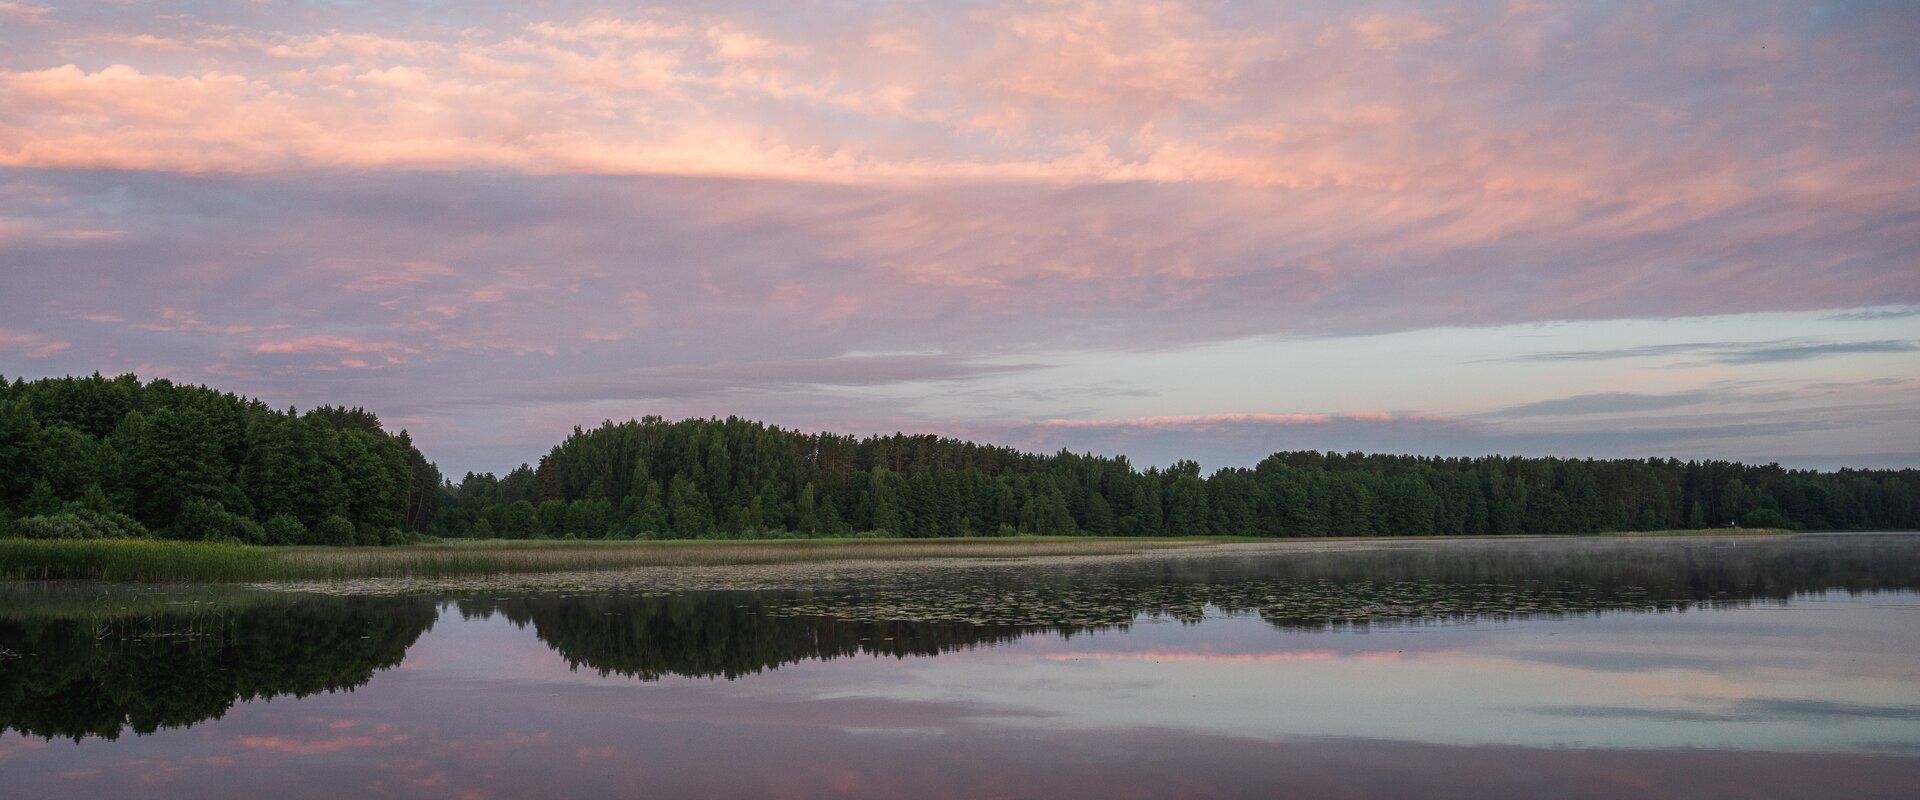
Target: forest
<point x="95" y="457"/>
<point x="99" y="457"/>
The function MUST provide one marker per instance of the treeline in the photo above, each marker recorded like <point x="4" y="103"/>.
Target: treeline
<point x="727" y="478"/>
<point x="98" y="457"/>
<point x="109" y="457"/>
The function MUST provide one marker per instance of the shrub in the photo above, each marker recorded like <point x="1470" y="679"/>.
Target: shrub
<point x="55" y="526"/>
<point x="79" y="522"/>
<point x="1763" y="518"/>
<point x="206" y="520"/>
<point x="334" y="530"/>
<point x="374" y="536"/>
<point x="285" y="529"/>
<point x="245" y="531"/>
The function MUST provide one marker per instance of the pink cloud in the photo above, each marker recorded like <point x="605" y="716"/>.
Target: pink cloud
<point x="1127" y="90"/>
<point x="23" y="12"/>
<point x="173" y="320"/>
<point x="411" y="273"/>
<point x="1215" y="420"/>
<point x="323" y="343"/>
<point x="695" y="209"/>
<point x="31" y="345"/>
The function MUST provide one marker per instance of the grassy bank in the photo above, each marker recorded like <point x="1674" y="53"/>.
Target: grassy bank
<point x="146" y="561"/>
<point x="156" y="561"/>
<point x="134" y="560"/>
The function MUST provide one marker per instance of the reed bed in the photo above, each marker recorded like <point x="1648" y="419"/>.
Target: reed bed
<point x="496" y="557"/>
<point x="194" y="562"/>
<point x="148" y="561"/>
<point x="133" y="560"/>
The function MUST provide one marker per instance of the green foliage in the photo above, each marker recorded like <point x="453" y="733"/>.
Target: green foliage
<point x="208" y="521"/>
<point x="80" y="522"/>
<point x="733" y="478"/>
<point x="285" y="529"/>
<point x="1765" y="518"/>
<point x="20" y="450"/>
<point x="335" y="530"/>
<point x="133" y="560"/>
<point x="195" y="463"/>
<point x="200" y="464"/>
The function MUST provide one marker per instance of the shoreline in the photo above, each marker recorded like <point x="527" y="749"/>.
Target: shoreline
<point x="146" y="561"/>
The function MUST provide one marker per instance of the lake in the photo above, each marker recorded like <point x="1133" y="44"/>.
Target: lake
<point x="1585" y="667"/>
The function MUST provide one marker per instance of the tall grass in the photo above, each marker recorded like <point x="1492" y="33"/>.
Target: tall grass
<point x="134" y="560"/>
<point x="496" y="556"/>
<point x="158" y="561"/>
<point x="150" y="561"/>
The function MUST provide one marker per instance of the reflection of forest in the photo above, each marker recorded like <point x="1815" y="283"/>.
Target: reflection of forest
<point x="1446" y="581"/>
<point x="99" y="676"/>
<point x="929" y="612"/>
<point x="78" y="675"/>
<point x="721" y="634"/>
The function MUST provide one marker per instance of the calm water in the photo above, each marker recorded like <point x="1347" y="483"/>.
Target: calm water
<point x="1573" y="668"/>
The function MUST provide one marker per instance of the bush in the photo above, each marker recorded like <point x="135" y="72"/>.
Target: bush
<point x="1763" y="518"/>
<point x="56" y="526"/>
<point x="206" y="520"/>
<point x="373" y="536"/>
<point x="79" y="522"/>
<point x="334" y="530"/>
<point x="285" y="529"/>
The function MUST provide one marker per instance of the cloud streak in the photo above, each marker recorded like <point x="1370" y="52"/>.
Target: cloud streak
<point x="31" y="345"/>
<point x="1764" y="352"/>
<point x="1602" y="403"/>
<point x="845" y="213"/>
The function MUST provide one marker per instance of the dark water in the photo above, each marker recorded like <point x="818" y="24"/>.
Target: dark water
<point x="1785" y="667"/>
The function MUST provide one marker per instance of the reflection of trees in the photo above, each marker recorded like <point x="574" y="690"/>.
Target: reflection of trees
<point x="926" y="612"/>
<point x="721" y="634"/>
<point x="1452" y="580"/>
<point x="72" y="675"/>
<point x="100" y="676"/>
<point x="1578" y="576"/>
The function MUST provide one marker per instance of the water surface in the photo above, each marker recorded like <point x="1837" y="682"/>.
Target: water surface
<point x="1698" y="667"/>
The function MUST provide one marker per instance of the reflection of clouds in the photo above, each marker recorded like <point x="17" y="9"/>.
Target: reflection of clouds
<point x="1755" y="710"/>
<point x="882" y="727"/>
<point x="1178" y="656"/>
<point x="14" y="744"/>
<point x="1662" y="680"/>
<point x="308" y="747"/>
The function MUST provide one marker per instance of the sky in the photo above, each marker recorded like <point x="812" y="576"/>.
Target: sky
<point x="1159" y="229"/>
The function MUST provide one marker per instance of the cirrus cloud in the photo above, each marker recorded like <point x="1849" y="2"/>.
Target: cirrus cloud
<point x="837" y="211"/>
